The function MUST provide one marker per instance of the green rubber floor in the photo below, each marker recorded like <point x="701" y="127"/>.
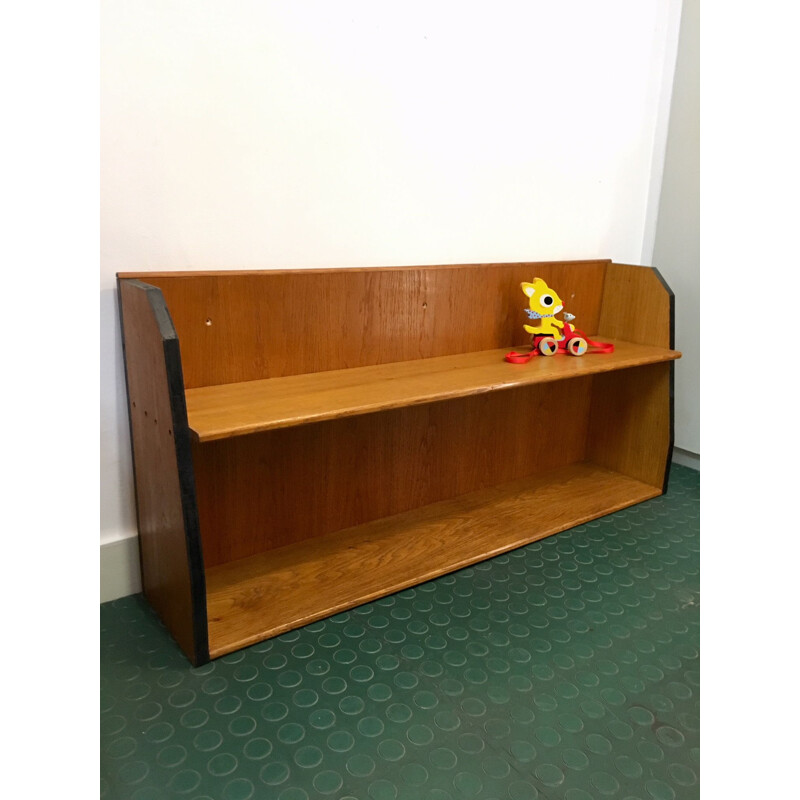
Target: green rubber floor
<point x="565" y="669"/>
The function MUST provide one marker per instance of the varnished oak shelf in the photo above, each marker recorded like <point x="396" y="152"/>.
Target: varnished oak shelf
<point x="236" y="409"/>
<point x="262" y="596"/>
<point x="308" y="440"/>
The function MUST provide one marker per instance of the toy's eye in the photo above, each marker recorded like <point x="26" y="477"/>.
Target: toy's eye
<point x="546" y="300"/>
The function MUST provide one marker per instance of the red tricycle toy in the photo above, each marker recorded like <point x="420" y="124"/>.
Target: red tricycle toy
<point x="572" y="343"/>
<point x="552" y="335"/>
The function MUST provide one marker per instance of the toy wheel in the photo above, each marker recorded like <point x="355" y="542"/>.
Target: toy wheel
<point x="548" y="347"/>
<point x="577" y="346"/>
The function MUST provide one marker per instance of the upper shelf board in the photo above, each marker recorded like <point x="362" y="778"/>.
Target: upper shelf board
<point x="237" y="409"/>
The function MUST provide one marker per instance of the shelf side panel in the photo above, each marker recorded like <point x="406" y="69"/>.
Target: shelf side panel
<point x="268" y="490"/>
<point x="173" y="576"/>
<point x="247" y="326"/>
<point x="630" y="428"/>
<point x="639" y="306"/>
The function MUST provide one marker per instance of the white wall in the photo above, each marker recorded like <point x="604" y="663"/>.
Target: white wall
<point x="258" y="134"/>
<point x="677" y="243"/>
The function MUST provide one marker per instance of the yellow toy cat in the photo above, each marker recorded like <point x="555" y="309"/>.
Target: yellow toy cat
<point x="544" y="305"/>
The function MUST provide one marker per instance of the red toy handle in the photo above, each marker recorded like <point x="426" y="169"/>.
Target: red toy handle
<point x="599" y="347"/>
<point x="520" y="358"/>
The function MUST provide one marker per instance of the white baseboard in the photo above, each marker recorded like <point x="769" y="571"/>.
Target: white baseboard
<point x="119" y="569"/>
<point x="686" y="458"/>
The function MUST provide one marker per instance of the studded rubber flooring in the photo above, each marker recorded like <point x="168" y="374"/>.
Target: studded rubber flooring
<point x="565" y="669"/>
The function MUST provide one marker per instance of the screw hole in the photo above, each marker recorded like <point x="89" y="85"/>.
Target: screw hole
<point x="424" y="305"/>
<point x="145" y="413"/>
<point x="208" y="322"/>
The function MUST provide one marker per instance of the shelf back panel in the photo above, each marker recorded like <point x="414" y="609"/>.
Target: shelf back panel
<point x="244" y="326"/>
<point x="259" y="492"/>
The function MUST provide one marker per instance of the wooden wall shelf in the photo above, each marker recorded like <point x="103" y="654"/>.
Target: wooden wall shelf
<point x="322" y="438"/>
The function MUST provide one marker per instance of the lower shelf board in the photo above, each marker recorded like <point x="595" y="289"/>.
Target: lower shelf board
<point x="259" y="597"/>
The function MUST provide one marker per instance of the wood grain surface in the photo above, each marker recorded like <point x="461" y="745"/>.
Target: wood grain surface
<point x="636" y="306"/>
<point x="263" y="596"/>
<point x="629" y="429"/>
<point x="267" y="490"/>
<point x="357" y="431"/>
<point x="219" y="412"/>
<point x="244" y="326"/>
<point x="167" y="518"/>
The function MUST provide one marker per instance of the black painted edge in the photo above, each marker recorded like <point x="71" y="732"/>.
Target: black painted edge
<point x="183" y="453"/>
<point x="671" y="294"/>
<point x="130" y="419"/>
